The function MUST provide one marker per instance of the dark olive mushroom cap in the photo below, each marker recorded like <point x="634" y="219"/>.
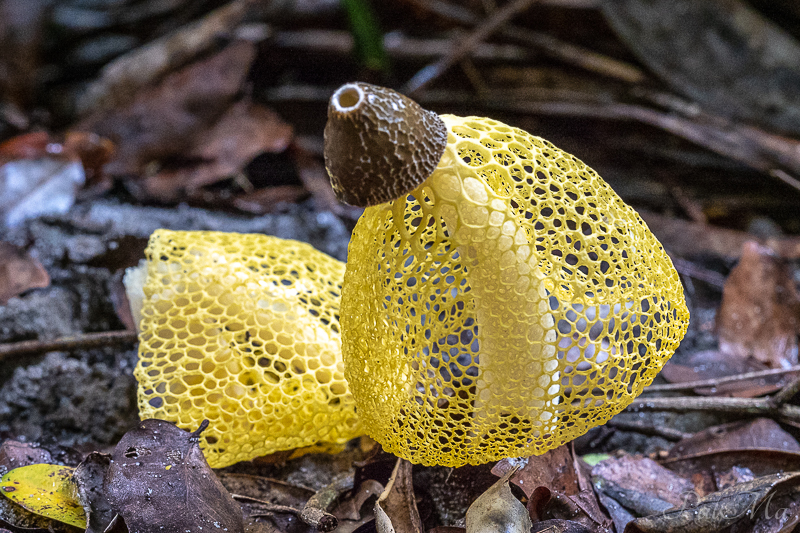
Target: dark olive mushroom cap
<point x="379" y="145"/>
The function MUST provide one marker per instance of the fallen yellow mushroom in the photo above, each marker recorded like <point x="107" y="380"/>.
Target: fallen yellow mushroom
<point x="499" y="299"/>
<point x="242" y="330"/>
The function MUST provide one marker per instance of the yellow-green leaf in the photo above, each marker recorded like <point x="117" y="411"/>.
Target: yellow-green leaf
<point x="47" y="490"/>
<point x="592" y="459"/>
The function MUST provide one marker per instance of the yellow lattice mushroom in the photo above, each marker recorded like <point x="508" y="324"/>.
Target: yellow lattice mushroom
<point x="243" y="330"/>
<point x="499" y="299"/>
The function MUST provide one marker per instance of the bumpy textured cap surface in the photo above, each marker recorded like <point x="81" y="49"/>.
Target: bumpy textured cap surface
<point x="243" y="330"/>
<point x="505" y="306"/>
<point x="379" y="145"/>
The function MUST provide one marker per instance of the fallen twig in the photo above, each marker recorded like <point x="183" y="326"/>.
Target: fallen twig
<point x="268" y="508"/>
<point x="397" y="45"/>
<point x="77" y="342"/>
<point x="647" y="429"/>
<point x="120" y="79"/>
<point x="687" y="268"/>
<point x="735" y="406"/>
<point x="786" y="393"/>
<point x="716" y="382"/>
<point x="686" y="238"/>
<point x="315" y="513"/>
<point x="756" y="148"/>
<point x="434" y="70"/>
<point x="567" y="52"/>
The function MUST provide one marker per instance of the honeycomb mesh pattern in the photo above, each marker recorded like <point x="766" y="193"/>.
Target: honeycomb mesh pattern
<point x="505" y="306"/>
<point x="243" y="330"/>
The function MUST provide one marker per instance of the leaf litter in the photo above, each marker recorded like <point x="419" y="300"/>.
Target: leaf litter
<point x="186" y="137"/>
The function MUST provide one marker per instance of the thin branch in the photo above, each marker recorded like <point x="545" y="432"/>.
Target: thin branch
<point x="567" y="52"/>
<point x="687" y="268"/>
<point x="716" y="382"/>
<point x="786" y="178"/>
<point x="121" y="78"/>
<point x="646" y="429"/>
<point x="576" y="55"/>
<point x="77" y="342"/>
<point x="749" y="145"/>
<point x="434" y="70"/>
<point x="397" y="45"/>
<point x="736" y="406"/>
<point x="266" y="506"/>
<point x="756" y="148"/>
<point x="786" y="393"/>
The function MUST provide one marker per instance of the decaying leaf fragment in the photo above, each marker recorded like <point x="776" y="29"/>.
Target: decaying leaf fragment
<point x="498" y="510"/>
<point x="46" y="490"/>
<point x="90" y="478"/>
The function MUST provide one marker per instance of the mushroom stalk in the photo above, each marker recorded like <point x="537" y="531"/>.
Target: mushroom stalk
<point x="507" y="286"/>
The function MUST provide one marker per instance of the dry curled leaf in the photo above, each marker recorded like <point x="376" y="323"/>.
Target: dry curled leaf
<point x="498" y="511"/>
<point x="89" y="479"/>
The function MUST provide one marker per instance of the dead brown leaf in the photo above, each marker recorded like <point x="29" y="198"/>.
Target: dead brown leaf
<point x="761" y="433"/>
<point x="640" y="484"/>
<point x="703" y="468"/>
<point x="158" y="480"/>
<point x="243" y="132"/>
<point x="760" y="312"/>
<point x="554" y="469"/>
<point x="163" y="121"/>
<point x="19" y="272"/>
